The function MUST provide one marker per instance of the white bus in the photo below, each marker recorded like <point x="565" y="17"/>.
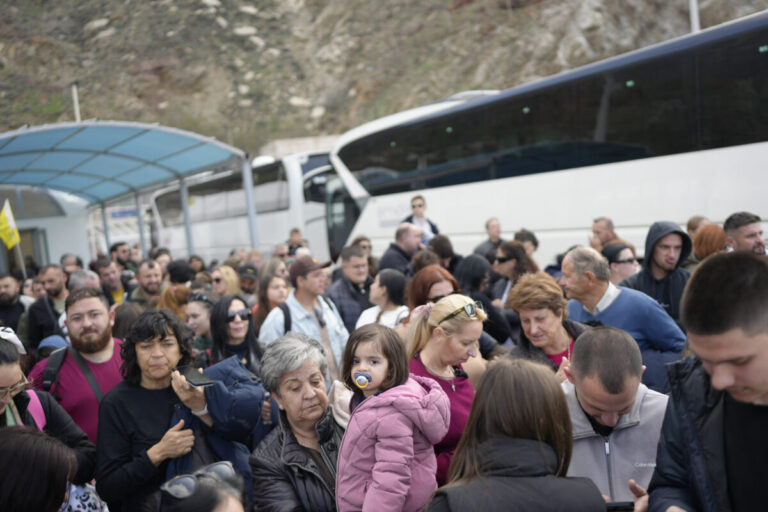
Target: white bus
<point x="662" y="133"/>
<point x="288" y="193"/>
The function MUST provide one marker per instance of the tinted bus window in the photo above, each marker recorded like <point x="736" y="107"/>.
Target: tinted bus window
<point x="733" y="78"/>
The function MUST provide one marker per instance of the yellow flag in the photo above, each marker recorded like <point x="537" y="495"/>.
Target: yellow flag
<point x="9" y="233"/>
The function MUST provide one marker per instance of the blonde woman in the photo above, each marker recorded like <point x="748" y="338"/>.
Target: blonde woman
<point x="225" y="281"/>
<point x="441" y="337"/>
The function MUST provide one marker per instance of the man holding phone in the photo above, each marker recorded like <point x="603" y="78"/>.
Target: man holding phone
<point x="616" y="419"/>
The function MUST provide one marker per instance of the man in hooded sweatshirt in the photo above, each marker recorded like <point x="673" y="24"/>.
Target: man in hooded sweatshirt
<point x="662" y="276"/>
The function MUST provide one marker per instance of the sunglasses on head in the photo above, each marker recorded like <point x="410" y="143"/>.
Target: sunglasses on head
<point x="199" y="297"/>
<point x="184" y="486"/>
<point x="243" y="314"/>
<point x="470" y="309"/>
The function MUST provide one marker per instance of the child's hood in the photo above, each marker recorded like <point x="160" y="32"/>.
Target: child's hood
<point x="423" y="401"/>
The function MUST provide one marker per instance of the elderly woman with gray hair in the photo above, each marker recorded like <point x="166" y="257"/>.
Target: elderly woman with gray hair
<point x="294" y="467"/>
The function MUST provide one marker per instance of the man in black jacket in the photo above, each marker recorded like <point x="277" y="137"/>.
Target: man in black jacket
<point x="712" y="451"/>
<point x="43" y="315"/>
<point x="350" y="292"/>
<point x="662" y="277"/>
<point x="398" y="254"/>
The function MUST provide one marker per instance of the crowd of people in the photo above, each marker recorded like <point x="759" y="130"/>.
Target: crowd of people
<point x="424" y="380"/>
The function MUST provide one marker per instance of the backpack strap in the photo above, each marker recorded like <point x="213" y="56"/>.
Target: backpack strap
<point x="35" y="408"/>
<point x="286" y="317"/>
<point x="52" y="367"/>
<point x="87" y="373"/>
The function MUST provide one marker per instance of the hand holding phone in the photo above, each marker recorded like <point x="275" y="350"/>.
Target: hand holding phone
<point x="194" y="377"/>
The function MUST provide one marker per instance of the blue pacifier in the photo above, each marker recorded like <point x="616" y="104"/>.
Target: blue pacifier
<point x="362" y="379"/>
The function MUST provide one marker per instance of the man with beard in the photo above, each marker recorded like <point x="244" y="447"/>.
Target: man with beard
<point x="150" y="278"/>
<point x="88" y="369"/>
<point x="12" y="305"/>
<point x="43" y="315"/>
<point x="121" y="254"/>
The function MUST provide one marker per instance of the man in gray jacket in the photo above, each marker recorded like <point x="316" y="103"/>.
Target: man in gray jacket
<point x="616" y="419"/>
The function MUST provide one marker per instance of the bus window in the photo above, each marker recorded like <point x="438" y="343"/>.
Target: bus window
<point x="270" y="188"/>
<point x="341" y="214"/>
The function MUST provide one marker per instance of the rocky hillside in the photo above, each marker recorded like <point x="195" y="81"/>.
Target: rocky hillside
<point x="249" y="72"/>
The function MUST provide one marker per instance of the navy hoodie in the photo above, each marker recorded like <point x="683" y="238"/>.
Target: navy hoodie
<point x="666" y="291"/>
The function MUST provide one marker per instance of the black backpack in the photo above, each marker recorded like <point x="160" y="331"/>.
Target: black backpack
<point x="52" y="367"/>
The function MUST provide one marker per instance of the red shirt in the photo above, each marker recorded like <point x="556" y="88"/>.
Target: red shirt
<point x="558" y="358"/>
<point x="73" y="391"/>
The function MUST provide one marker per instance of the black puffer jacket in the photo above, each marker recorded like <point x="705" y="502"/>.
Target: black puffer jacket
<point x="518" y="474"/>
<point x="690" y="469"/>
<point x="61" y="426"/>
<point x="285" y="478"/>
<point x="526" y="350"/>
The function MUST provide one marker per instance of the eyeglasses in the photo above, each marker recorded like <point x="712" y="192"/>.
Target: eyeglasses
<point x="503" y="260"/>
<point x="470" y="309"/>
<point x="13" y="390"/>
<point x="628" y="260"/>
<point x="417" y="206"/>
<point x="199" y="297"/>
<point x="244" y="314"/>
<point x="184" y="486"/>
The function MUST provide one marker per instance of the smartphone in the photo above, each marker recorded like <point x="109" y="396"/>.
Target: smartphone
<point x="194" y="377"/>
<point x="621" y="506"/>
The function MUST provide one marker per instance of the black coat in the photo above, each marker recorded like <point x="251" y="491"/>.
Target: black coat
<point x="527" y="350"/>
<point x="43" y="321"/>
<point x="396" y="258"/>
<point x="60" y="425"/>
<point x="518" y="474"/>
<point x="285" y="478"/>
<point x="690" y="461"/>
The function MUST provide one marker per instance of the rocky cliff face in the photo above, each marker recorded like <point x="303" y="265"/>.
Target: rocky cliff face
<point x="247" y="73"/>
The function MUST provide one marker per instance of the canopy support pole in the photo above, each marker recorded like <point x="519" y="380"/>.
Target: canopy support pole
<point x="140" y="217"/>
<point x="249" y="204"/>
<point x="187" y="223"/>
<point x="106" y="226"/>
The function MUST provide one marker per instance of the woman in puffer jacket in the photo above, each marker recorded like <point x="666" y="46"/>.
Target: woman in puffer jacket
<point x="387" y="458"/>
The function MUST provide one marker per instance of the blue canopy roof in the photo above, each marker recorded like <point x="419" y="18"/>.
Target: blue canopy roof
<point x="103" y="160"/>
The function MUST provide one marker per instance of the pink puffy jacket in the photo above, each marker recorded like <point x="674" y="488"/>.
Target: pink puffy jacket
<point x="387" y="460"/>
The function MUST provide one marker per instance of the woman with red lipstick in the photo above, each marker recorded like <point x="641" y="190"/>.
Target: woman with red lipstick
<point x="548" y="336"/>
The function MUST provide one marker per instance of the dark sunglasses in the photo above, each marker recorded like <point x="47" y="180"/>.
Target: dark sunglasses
<point x="628" y="260"/>
<point x="244" y="314"/>
<point x="184" y="486"/>
<point x="199" y="297"/>
<point x="436" y="299"/>
<point x="503" y="260"/>
<point x="470" y="309"/>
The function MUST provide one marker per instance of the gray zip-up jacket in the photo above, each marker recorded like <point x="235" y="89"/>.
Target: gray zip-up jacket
<point x="630" y="450"/>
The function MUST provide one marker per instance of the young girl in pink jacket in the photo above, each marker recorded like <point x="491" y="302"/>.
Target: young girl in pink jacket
<point x="387" y="460"/>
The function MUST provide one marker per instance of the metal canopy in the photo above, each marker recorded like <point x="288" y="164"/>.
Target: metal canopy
<point x="103" y="160"/>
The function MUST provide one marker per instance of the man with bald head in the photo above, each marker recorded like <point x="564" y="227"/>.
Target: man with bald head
<point x="398" y="254"/>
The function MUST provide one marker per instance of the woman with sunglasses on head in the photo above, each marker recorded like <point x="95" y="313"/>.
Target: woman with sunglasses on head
<point x="441" y="337"/>
<point x="213" y="488"/>
<point x="472" y="272"/>
<point x="20" y="405"/>
<point x="233" y="333"/>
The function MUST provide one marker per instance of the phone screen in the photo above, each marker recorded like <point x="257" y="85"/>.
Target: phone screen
<point x="194" y="377"/>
